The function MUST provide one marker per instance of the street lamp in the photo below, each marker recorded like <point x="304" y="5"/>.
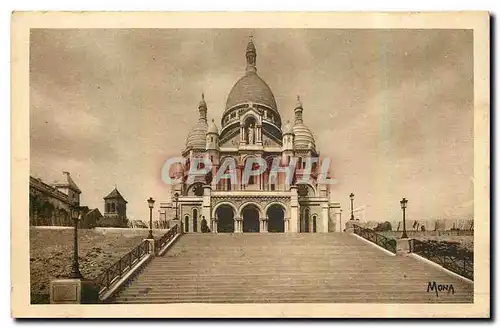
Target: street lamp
<point x="75" y="271"/>
<point x="340" y="220"/>
<point x="351" y="196"/>
<point x="151" y="203"/>
<point x="403" y="202"/>
<point x="176" y="200"/>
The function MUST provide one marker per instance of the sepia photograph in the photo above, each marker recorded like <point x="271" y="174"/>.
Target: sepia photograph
<point x="247" y="165"/>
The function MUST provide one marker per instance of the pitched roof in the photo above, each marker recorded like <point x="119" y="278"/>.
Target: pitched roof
<point x="94" y="210"/>
<point x="66" y="181"/>
<point x="114" y="194"/>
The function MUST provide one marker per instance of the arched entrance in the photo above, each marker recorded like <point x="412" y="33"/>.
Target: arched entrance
<point x="276" y="216"/>
<point x="251" y="219"/>
<point x="225" y="219"/>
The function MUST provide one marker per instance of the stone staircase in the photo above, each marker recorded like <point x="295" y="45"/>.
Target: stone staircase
<point x="277" y="268"/>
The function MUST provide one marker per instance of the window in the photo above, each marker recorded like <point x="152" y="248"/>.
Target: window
<point x="314" y="223"/>
<point x="195" y="220"/>
<point x="211" y="139"/>
<point x="186" y="223"/>
<point x="198" y="190"/>
<point x="252" y="179"/>
<point x="112" y="207"/>
<point x="108" y="207"/>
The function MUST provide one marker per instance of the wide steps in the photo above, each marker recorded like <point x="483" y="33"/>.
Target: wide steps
<point x="278" y="268"/>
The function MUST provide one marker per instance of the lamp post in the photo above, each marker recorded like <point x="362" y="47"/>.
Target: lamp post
<point x="351" y="196"/>
<point x="403" y="202"/>
<point x="176" y="200"/>
<point x="151" y="203"/>
<point x="75" y="270"/>
<point x="340" y="220"/>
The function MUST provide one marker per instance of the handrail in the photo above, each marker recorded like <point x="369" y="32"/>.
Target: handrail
<point x="380" y="240"/>
<point x="449" y="255"/>
<point x="110" y="275"/>
<point x="166" y="238"/>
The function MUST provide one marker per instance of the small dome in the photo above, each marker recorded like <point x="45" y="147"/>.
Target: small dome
<point x="212" y="128"/>
<point x="287" y="128"/>
<point x="304" y="138"/>
<point x="196" y="137"/>
<point x="251" y="88"/>
<point x="176" y="170"/>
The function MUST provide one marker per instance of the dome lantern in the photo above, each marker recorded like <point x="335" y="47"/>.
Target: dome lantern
<point x="304" y="139"/>
<point x="251" y="88"/>
<point x="202" y="108"/>
<point x="251" y="55"/>
<point x="196" y="137"/>
<point x="298" y="111"/>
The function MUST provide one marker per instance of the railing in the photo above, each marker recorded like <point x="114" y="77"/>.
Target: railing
<point x="374" y="237"/>
<point x="449" y="255"/>
<point x="106" y="279"/>
<point x="166" y="238"/>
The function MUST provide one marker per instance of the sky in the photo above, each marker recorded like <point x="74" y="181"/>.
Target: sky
<point x="392" y="109"/>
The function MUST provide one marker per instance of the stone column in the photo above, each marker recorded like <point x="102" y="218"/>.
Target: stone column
<point x="239" y="176"/>
<point x="206" y="209"/>
<point x="287" y="224"/>
<point x="324" y="218"/>
<point x="264" y="224"/>
<point x="214" y="225"/>
<point x="238" y="224"/>
<point x="235" y="224"/>
<point x="242" y="135"/>
<point x="338" y="219"/>
<point x="294" y="210"/>
<point x="214" y="173"/>
<point x="258" y="137"/>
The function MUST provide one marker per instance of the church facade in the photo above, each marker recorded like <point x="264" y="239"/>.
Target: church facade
<point x="251" y="129"/>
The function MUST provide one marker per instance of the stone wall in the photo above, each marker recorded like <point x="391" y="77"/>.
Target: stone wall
<point x="48" y="206"/>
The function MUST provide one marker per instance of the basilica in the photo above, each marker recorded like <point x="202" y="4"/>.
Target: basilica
<point x="251" y="127"/>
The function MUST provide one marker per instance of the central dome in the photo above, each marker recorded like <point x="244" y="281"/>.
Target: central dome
<point x="251" y="88"/>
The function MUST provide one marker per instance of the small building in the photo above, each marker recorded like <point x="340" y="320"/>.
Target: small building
<point x="137" y="224"/>
<point x="115" y="210"/>
<point x="90" y="218"/>
<point x="51" y="205"/>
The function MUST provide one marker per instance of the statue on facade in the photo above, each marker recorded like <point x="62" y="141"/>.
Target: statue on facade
<point x="251" y="134"/>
